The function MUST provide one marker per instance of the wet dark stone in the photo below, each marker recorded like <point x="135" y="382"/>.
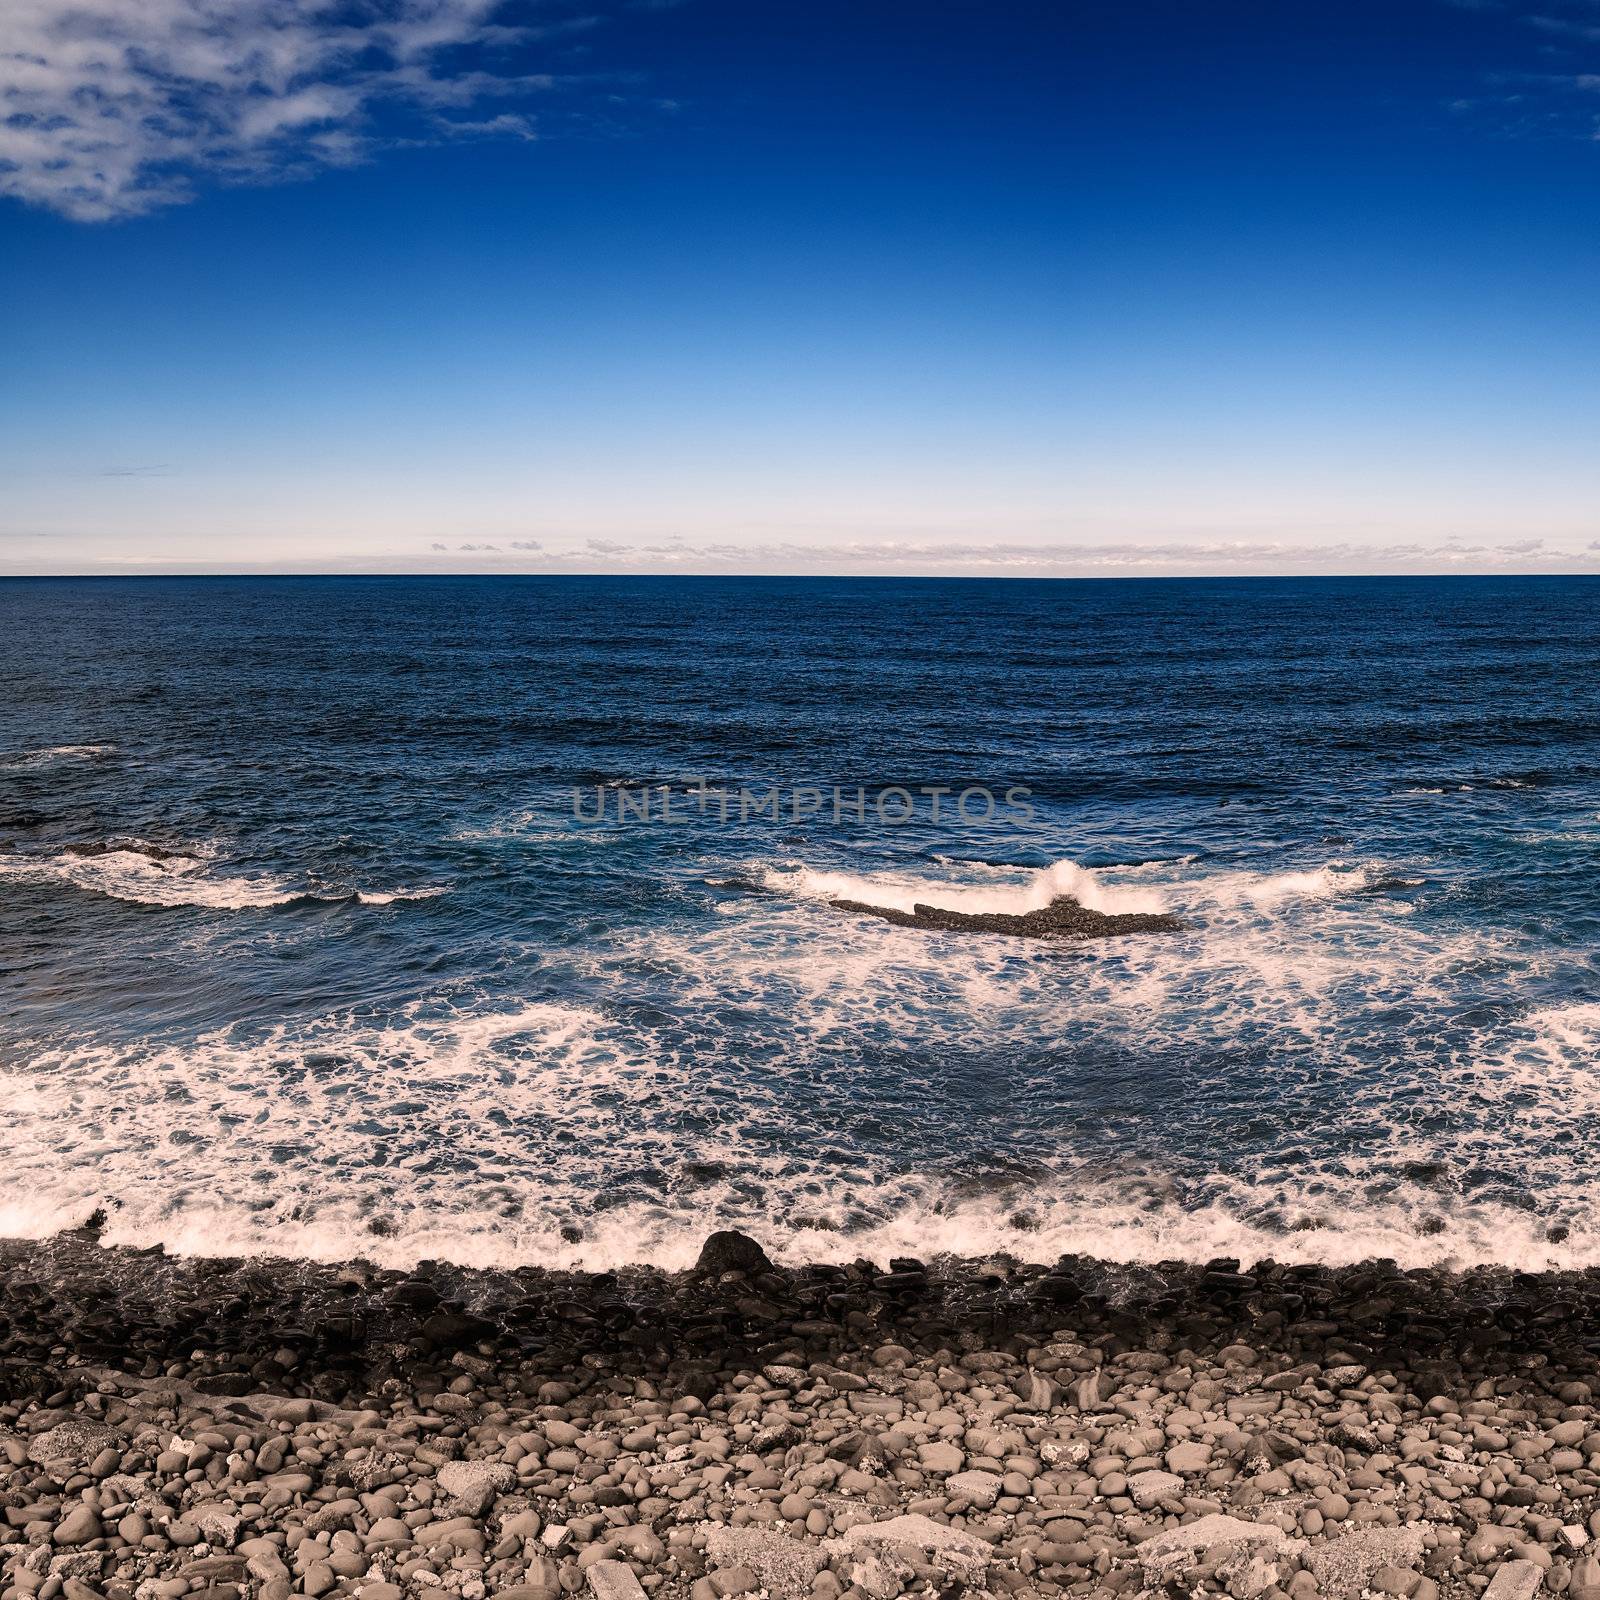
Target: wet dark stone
<point x="728" y="1251"/>
<point x="451" y="1329"/>
<point x="225" y="1383"/>
<point x="1229" y="1280"/>
<point x="902" y="1282"/>
<point x="341" y="1330"/>
<point x="415" y="1294"/>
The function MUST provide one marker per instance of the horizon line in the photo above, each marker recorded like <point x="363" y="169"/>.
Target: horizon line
<point x="858" y="577"/>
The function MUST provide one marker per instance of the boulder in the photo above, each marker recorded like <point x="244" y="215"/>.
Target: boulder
<point x="728" y="1251"/>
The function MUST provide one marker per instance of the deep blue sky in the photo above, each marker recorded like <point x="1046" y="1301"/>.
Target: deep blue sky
<point x="1132" y="286"/>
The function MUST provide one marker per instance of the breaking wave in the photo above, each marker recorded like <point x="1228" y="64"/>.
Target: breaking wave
<point x="153" y="877"/>
<point x="1029" y="891"/>
<point x="142" y="879"/>
<point x="1016" y="891"/>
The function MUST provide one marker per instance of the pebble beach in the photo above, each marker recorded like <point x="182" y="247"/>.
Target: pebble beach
<point x="268" y="1428"/>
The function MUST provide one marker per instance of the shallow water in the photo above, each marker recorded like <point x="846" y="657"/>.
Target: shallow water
<point x="303" y="950"/>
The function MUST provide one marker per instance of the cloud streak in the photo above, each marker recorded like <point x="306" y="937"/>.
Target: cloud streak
<point x="1552" y="96"/>
<point x="113" y="108"/>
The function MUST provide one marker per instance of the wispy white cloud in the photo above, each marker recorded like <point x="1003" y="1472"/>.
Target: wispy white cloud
<point x="1566" y="27"/>
<point x="1551" y="94"/>
<point x="111" y="108"/>
<point x="508" y="125"/>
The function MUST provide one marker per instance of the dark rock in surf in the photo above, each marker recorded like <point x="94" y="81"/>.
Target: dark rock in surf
<point x="728" y="1251"/>
<point x="1063" y="918"/>
<point x="151" y="852"/>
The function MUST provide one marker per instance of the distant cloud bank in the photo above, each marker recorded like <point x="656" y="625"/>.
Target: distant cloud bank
<point x="111" y="108"/>
<point x="911" y="557"/>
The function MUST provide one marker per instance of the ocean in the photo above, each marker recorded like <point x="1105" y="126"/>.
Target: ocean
<point x="339" y="917"/>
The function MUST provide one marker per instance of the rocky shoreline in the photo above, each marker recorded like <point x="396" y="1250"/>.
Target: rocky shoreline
<point x="267" y="1429"/>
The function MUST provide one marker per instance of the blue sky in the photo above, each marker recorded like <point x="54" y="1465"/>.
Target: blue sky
<point x="1118" y="287"/>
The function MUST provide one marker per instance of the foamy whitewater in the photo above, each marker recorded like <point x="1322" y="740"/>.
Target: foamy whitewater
<point x="306" y="952"/>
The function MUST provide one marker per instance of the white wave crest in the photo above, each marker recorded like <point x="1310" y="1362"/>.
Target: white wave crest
<point x="1016" y="891"/>
<point x="1027" y="890"/>
<point x="232" y="1194"/>
<point x="141" y="879"/>
<point x="55" y="753"/>
<point x="1263" y="891"/>
<point x="1328" y="1223"/>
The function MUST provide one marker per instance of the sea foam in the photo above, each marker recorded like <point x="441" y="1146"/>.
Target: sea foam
<point x="834" y="1085"/>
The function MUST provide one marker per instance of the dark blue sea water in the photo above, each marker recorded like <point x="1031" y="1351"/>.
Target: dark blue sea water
<point x="303" y="950"/>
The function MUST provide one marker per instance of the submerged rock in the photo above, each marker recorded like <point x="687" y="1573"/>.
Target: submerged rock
<point x="1063" y="918"/>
